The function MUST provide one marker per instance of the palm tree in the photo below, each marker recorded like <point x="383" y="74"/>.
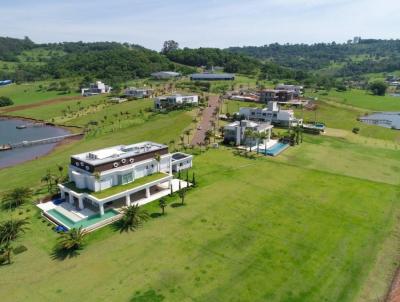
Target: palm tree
<point x="162" y="203"/>
<point x="48" y="178"/>
<point x="133" y="218"/>
<point x="172" y="142"/>
<point x="187" y="132"/>
<point x="182" y="194"/>
<point x="262" y="136"/>
<point x="72" y="240"/>
<point x="17" y="197"/>
<point x="249" y="135"/>
<point x="60" y="170"/>
<point x="157" y="157"/>
<point x="10" y="231"/>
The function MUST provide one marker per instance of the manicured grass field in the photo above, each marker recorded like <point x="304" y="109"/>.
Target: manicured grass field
<point x="27" y="93"/>
<point x="338" y="116"/>
<point x="363" y="99"/>
<point x="254" y="230"/>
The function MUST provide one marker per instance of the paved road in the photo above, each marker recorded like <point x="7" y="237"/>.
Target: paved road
<point x="206" y="119"/>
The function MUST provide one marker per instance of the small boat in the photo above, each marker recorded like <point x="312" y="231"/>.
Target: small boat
<point x="21" y="127"/>
<point x="5" y="147"/>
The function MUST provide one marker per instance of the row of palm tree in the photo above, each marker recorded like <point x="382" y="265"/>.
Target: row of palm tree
<point x="16" y="197"/>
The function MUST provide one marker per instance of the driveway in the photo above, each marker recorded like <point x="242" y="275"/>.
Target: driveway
<point x="205" y="122"/>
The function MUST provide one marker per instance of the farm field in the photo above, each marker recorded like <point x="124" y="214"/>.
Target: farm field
<point x="327" y="231"/>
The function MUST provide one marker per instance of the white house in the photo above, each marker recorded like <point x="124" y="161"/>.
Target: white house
<point x="138" y="93"/>
<point x="164" y="75"/>
<point x="297" y="90"/>
<point x="272" y="114"/>
<point x="237" y="131"/>
<point x="96" y="88"/>
<point x="175" y="100"/>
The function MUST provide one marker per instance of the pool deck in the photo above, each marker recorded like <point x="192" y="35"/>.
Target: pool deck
<point x="76" y="215"/>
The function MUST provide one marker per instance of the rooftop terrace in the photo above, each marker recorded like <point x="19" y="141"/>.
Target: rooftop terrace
<point x="112" y="153"/>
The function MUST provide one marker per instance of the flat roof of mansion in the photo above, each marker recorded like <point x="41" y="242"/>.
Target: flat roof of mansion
<point x="105" y="155"/>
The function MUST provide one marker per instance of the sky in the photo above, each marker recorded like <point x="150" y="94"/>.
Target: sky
<point x="201" y="23"/>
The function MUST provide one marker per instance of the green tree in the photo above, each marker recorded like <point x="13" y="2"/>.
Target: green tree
<point x="133" y="218"/>
<point x="72" y="240"/>
<point x="378" y="88"/>
<point x="17" y="197"/>
<point x="182" y="194"/>
<point x="169" y="46"/>
<point x="5" y="101"/>
<point x="11" y="230"/>
<point x="162" y="203"/>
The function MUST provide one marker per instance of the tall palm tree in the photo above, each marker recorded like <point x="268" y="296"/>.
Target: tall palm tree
<point x="133" y="218"/>
<point x="72" y="240"/>
<point x="17" y="197"/>
<point x="182" y="194"/>
<point x="249" y="136"/>
<point x="262" y="136"/>
<point x="187" y="132"/>
<point x="157" y="157"/>
<point x="162" y="203"/>
<point x="60" y="170"/>
<point x="10" y="231"/>
<point x="49" y="179"/>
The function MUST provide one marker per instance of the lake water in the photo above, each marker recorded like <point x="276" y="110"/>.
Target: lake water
<point x="383" y="119"/>
<point x="10" y="134"/>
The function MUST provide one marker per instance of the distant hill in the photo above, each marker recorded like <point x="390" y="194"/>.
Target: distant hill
<point x="348" y="59"/>
<point x="24" y="60"/>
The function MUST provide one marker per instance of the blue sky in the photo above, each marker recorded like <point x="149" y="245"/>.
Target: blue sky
<point x="213" y="23"/>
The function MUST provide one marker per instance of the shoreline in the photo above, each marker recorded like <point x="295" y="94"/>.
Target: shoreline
<point x="69" y="129"/>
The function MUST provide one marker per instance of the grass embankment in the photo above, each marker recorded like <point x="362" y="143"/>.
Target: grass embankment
<point x="276" y="232"/>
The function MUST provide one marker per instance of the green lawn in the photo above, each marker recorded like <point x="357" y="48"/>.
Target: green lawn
<point x="27" y="93"/>
<point x="363" y="99"/>
<point x="336" y="115"/>
<point x="254" y="230"/>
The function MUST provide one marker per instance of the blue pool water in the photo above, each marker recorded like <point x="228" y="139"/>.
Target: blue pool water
<point x="275" y="150"/>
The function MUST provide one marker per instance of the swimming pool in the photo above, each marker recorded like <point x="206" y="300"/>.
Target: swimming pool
<point x="84" y="223"/>
<point x="275" y="149"/>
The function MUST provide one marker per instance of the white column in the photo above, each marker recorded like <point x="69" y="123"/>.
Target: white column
<point x="147" y="192"/>
<point x="101" y="207"/>
<point x="80" y="200"/>
<point x="128" y="200"/>
<point x="71" y="198"/>
<point x="62" y="192"/>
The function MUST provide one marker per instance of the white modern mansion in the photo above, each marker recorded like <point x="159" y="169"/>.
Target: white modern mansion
<point x="237" y="132"/>
<point x="175" y="100"/>
<point x="96" y="88"/>
<point x="138" y="93"/>
<point x="271" y="114"/>
<point x="103" y="181"/>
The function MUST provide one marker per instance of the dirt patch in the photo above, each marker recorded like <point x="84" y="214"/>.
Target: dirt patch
<point x="42" y="103"/>
<point x="394" y="291"/>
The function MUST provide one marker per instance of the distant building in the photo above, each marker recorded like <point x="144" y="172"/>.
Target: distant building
<point x="276" y="95"/>
<point x="138" y="93"/>
<point x="295" y="89"/>
<point x="5" y="82"/>
<point x="96" y="88"/>
<point x="236" y="132"/>
<point x="272" y="114"/>
<point x="165" y="75"/>
<point x="175" y="100"/>
<point x="212" y="77"/>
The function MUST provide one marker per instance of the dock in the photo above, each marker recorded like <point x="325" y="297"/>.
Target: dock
<point x="49" y="140"/>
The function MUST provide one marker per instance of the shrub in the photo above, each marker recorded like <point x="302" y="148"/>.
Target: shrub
<point x="356" y="130"/>
<point x="5" y="101"/>
<point x="378" y="88"/>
